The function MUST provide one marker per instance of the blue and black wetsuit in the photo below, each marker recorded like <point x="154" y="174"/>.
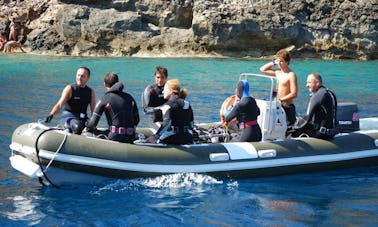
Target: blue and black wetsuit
<point x="246" y="112"/>
<point x="178" y="122"/>
<point x="121" y="114"/>
<point x="320" y="120"/>
<point x="153" y="97"/>
<point x="74" y="114"/>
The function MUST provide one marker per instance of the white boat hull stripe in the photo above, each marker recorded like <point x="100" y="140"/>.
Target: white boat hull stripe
<point x="213" y="167"/>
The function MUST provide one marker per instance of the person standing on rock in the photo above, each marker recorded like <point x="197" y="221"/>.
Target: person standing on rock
<point x="287" y="82"/>
<point x="12" y="30"/>
<point x="153" y="97"/>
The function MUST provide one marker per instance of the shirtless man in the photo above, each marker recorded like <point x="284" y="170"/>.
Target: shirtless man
<point x="287" y="82"/>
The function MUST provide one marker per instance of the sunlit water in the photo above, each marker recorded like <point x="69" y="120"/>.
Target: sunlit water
<point x="30" y="85"/>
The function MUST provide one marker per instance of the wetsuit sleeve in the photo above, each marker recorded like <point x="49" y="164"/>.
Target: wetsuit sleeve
<point x="146" y="100"/>
<point x="135" y="113"/>
<point x="258" y="109"/>
<point x="314" y="103"/>
<point x="191" y="117"/>
<point x="99" y="109"/>
<point x="233" y="113"/>
<point x="166" y="120"/>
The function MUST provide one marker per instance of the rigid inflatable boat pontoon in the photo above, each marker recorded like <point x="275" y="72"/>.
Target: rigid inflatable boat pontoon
<point x="57" y="157"/>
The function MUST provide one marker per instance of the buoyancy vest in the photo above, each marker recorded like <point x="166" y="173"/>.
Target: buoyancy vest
<point x="177" y="118"/>
<point x="181" y="113"/>
<point x="79" y="101"/>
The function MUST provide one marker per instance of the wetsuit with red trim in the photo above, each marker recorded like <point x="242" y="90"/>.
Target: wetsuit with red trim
<point x="246" y="112"/>
<point x="121" y="113"/>
<point x="153" y="97"/>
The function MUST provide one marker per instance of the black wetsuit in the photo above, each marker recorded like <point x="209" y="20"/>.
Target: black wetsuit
<point x="153" y="97"/>
<point x="246" y="112"/>
<point x="121" y="113"/>
<point x="320" y="120"/>
<point x="74" y="114"/>
<point x="177" y="126"/>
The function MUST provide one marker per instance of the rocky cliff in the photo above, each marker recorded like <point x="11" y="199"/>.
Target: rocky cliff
<point x="336" y="29"/>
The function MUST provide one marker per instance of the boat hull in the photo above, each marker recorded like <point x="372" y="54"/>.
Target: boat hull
<point x="60" y="157"/>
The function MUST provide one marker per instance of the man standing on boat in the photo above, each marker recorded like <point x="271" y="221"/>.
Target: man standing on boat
<point x="74" y="101"/>
<point x="153" y="97"/>
<point x="120" y="109"/>
<point x="320" y="119"/>
<point x="287" y="82"/>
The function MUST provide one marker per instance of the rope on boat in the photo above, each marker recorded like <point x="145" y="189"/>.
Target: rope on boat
<point x="56" y="152"/>
<point x="226" y="133"/>
<point x="39" y="159"/>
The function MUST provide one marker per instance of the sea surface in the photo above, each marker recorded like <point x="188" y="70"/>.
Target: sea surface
<point x="31" y="85"/>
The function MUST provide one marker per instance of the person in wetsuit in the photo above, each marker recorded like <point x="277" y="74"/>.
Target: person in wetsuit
<point x="153" y="97"/>
<point x="120" y="109"/>
<point x="74" y="101"/>
<point x="178" y="121"/>
<point x="320" y="120"/>
<point x="246" y="112"/>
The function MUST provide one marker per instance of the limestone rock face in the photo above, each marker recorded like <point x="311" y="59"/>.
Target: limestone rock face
<point x="338" y="29"/>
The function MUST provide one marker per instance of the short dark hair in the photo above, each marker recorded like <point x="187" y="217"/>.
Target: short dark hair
<point x="162" y="71"/>
<point x="110" y="79"/>
<point x="87" y="69"/>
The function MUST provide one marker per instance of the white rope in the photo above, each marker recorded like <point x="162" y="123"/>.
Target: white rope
<point x="56" y="152"/>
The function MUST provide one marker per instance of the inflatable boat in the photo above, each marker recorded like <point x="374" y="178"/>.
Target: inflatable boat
<point x="57" y="157"/>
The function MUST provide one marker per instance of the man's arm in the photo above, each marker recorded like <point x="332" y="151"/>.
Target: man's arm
<point x="146" y="101"/>
<point x="146" y="98"/>
<point x="66" y="95"/>
<point x="93" y="101"/>
<point x="135" y="113"/>
<point x="268" y="69"/>
<point x="96" y="115"/>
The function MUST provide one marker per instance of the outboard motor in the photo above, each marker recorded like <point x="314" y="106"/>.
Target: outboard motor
<point x="348" y="119"/>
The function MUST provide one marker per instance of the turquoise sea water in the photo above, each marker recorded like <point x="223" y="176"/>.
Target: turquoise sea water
<point x="30" y="85"/>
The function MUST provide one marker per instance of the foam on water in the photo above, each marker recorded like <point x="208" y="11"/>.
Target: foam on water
<point x="369" y="123"/>
<point x="172" y="181"/>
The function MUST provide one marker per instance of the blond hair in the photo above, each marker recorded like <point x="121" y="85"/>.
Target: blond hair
<point x="175" y="86"/>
